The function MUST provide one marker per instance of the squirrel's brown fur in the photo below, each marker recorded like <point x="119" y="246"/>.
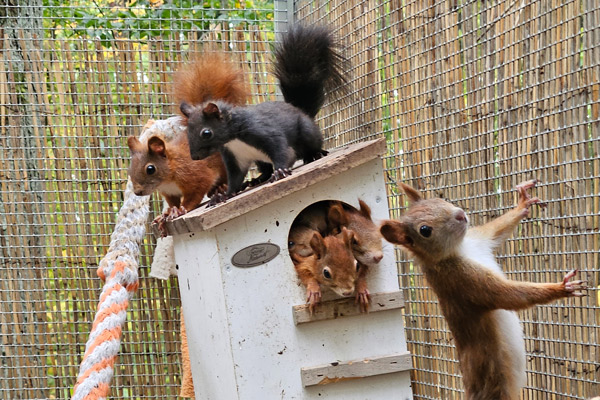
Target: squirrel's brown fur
<point x="473" y="293"/>
<point x="184" y="182"/>
<point x="330" y="265"/>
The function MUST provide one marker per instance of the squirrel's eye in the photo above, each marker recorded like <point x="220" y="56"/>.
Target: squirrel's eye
<point x="327" y="273"/>
<point x="206" y="133"/>
<point x="290" y="243"/>
<point x="150" y="169"/>
<point x="425" y="230"/>
<point x="357" y="265"/>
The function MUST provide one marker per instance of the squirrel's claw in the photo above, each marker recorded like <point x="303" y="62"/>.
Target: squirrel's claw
<point x="222" y="188"/>
<point x="280" y="173"/>
<point x="573" y="288"/>
<point x="525" y="199"/>
<point x="175" y="212"/>
<point x="218" y="198"/>
<point x="313" y="296"/>
<point x="167" y="216"/>
<point x="363" y="299"/>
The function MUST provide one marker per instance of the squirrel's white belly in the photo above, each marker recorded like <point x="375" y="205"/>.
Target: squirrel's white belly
<point x="512" y="344"/>
<point x="510" y="332"/>
<point x="170" y="189"/>
<point x="246" y="154"/>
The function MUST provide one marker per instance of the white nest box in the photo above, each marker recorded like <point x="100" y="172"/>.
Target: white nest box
<point x="250" y="335"/>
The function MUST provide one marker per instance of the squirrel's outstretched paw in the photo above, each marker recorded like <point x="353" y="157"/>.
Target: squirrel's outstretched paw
<point x="525" y="200"/>
<point x="573" y="288"/>
<point x="280" y="174"/>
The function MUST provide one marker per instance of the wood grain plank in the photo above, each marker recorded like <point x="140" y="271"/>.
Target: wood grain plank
<point x="346" y="307"/>
<point x="342" y="371"/>
<point x="203" y="219"/>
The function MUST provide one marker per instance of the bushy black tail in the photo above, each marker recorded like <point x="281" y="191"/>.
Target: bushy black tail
<point x="309" y="65"/>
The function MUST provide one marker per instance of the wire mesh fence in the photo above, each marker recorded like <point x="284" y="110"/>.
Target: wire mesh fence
<point x="473" y="97"/>
<point x="75" y="81"/>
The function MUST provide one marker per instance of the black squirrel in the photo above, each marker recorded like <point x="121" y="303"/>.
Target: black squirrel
<point x="272" y="134"/>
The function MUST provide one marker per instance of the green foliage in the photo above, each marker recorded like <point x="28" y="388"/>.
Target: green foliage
<point x="146" y="19"/>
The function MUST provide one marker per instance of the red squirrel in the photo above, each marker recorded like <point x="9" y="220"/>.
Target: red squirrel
<point x="166" y="165"/>
<point x="475" y="297"/>
<point x="330" y="264"/>
<point x="367" y="246"/>
<point x="328" y="218"/>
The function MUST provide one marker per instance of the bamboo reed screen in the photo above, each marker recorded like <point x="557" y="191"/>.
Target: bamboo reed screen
<point x="473" y="97"/>
<point x="69" y="101"/>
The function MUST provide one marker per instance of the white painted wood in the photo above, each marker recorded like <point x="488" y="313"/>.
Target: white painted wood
<point x="206" y="319"/>
<point x="243" y="340"/>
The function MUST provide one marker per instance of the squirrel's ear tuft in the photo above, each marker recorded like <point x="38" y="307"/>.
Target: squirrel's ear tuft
<point x="211" y="110"/>
<point x="157" y="146"/>
<point x="413" y="194"/>
<point x="365" y="210"/>
<point x="186" y="109"/>
<point x="133" y="143"/>
<point x="395" y="232"/>
<point x="318" y="245"/>
<point x="348" y="237"/>
<point x="336" y="215"/>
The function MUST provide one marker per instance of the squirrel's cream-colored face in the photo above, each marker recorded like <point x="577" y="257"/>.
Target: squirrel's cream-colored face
<point x="431" y="229"/>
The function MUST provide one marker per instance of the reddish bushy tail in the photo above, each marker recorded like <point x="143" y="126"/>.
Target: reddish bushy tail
<point x="210" y="76"/>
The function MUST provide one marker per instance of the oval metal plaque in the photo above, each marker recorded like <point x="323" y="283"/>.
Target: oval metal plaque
<point x="255" y="255"/>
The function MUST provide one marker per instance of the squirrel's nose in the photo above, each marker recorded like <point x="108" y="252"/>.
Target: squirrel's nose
<point x="377" y="257"/>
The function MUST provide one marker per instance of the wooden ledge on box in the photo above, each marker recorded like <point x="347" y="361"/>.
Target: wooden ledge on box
<point x="346" y="307"/>
<point x="339" y="160"/>
<point x="342" y="371"/>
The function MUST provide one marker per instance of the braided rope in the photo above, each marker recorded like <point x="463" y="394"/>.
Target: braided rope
<point x="118" y="270"/>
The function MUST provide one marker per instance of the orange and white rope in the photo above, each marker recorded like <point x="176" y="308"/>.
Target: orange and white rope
<point x="118" y="270"/>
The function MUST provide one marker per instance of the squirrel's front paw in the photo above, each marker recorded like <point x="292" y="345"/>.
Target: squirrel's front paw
<point x="525" y="200"/>
<point x="363" y="298"/>
<point x="313" y="296"/>
<point x="573" y="288"/>
<point x="218" y="198"/>
<point x="175" y="212"/>
<point x="222" y="188"/>
<point x="280" y="174"/>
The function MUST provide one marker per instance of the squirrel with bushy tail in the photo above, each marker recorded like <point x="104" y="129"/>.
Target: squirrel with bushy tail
<point x="164" y="165"/>
<point x="273" y="135"/>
